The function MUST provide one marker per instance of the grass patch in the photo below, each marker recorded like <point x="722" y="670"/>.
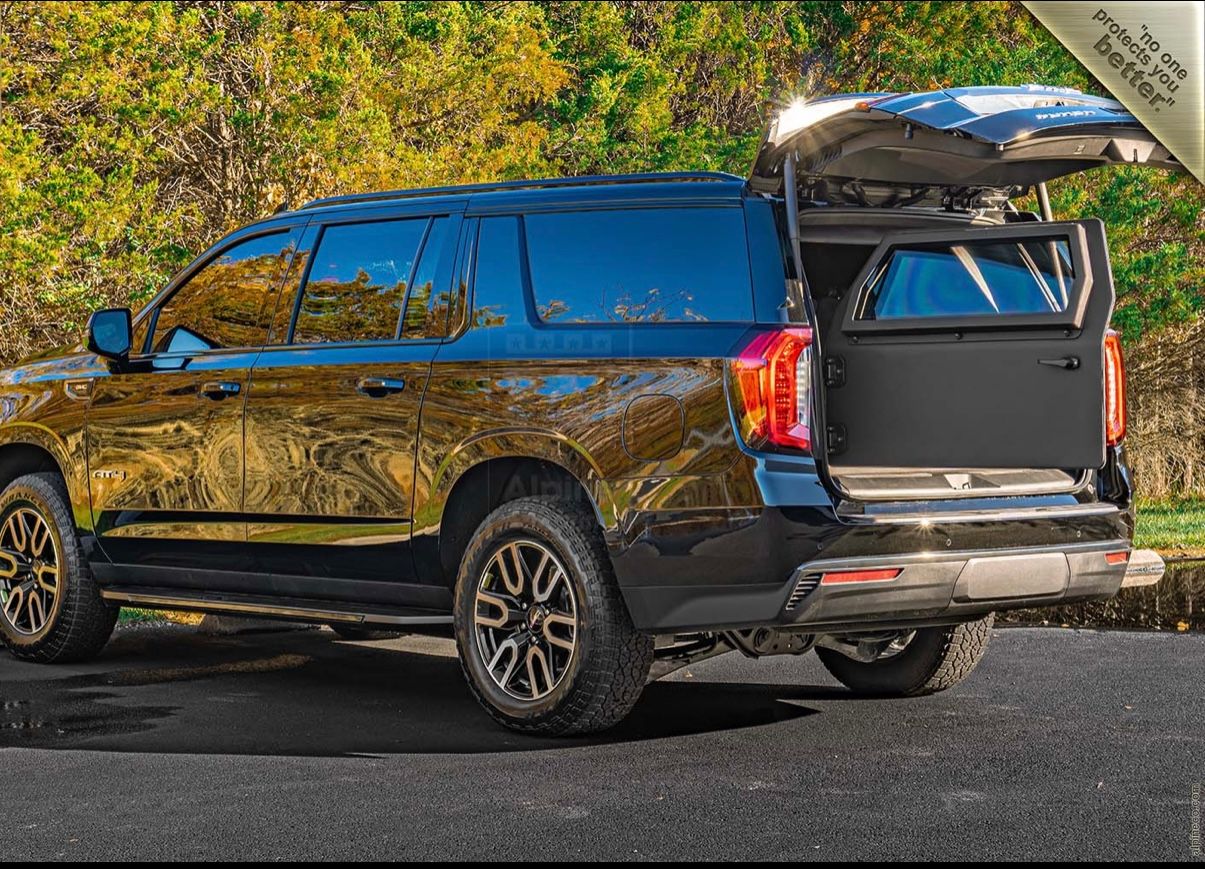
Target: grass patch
<point x="135" y="616"/>
<point x="131" y="616"/>
<point x="1175" y="527"/>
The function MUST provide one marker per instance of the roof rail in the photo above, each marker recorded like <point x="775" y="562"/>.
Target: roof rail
<point x="535" y="184"/>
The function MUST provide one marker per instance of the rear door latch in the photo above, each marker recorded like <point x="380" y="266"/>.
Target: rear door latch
<point x="1069" y="362"/>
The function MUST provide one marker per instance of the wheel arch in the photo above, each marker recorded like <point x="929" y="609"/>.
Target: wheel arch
<point x="492" y="480"/>
<point x="26" y="449"/>
<point x="18" y="458"/>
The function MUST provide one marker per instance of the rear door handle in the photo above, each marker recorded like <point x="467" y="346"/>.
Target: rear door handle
<point x="220" y="388"/>
<point x="376" y="387"/>
<point x="1069" y="362"/>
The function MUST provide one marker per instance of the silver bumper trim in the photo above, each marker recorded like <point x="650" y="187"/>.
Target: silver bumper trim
<point x="1146" y="567"/>
<point x="829" y="565"/>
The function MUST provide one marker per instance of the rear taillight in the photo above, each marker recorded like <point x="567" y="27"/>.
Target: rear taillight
<point x="1115" y="390"/>
<point x="772" y="377"/>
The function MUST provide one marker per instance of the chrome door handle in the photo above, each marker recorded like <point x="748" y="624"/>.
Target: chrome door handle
<point x="219" y="389"/>
<point x="1069" y="362"/>
<point x="377" y="387"/>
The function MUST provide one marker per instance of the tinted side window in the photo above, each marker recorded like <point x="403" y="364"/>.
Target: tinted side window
<point x="971" y="278"/>
<point x="641" y="265"/>
<point x="427" y="307"/>
<point x="229" y="302"/>
<point x="498" y="275"/>
<point x="357" y="281"/>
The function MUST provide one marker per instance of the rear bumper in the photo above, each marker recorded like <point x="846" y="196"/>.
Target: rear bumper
<point x="765" y="568"/>
<point x="955" y="586"/>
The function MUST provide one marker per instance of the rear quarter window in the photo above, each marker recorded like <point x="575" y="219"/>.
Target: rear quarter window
<point x="651" y="265"/>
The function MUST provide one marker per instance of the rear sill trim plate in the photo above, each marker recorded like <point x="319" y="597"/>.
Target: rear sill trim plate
<point x="937" y="518"/>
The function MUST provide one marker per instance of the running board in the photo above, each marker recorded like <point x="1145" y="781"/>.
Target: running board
<point x="312" y="611"/>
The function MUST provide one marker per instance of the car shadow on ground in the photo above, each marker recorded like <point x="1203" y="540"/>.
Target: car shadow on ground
<point x="306" y="693"/>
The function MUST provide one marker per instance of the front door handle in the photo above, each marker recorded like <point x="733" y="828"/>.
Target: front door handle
<point x="377" y="387"/>
<point x="1069" y="362"/>
<point x="218" y="389"/>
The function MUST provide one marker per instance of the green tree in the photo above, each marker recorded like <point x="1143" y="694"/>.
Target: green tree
<point x="133" y="135"/>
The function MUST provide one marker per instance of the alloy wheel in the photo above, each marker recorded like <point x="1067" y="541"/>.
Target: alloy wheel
<point x="29" y="569"/>
<point x="526" y="619"/>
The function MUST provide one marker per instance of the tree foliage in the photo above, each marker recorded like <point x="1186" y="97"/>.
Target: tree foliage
<point x="133" y="135"/>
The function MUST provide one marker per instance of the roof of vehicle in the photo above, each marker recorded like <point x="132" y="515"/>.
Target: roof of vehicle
<point x="652" y="185"/>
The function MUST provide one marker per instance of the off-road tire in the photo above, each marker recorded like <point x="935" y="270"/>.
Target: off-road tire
<point x="80" y="622"/>
<point x="936" y="659"/>
<point x="611" y="663"/>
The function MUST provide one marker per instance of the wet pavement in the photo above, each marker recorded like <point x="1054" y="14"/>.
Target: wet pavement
<point x="1064" y="744"/>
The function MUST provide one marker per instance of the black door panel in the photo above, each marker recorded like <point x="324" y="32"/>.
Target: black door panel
<point x="165" y="435"/>
<point x="160" y="446"/>
<point x="332" y="417"/>
<point x="1013" y="388"/>
<point x="323" y="452"/>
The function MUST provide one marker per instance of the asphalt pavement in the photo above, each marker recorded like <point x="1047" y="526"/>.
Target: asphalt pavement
<point x="292" y="745"/>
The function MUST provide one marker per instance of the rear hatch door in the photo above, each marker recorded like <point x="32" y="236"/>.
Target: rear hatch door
<point x="973" y="348"/>
<point x="963" y="146"/>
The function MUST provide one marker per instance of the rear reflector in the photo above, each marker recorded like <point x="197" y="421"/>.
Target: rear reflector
<point x="1115" y="390"/>
<point x="772" y="377"/>
<point x="885" y="575"/>
<point x="1117" y="557"/>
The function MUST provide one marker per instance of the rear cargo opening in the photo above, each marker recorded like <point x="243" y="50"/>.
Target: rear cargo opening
<point x="961" y="355"/>
<point x="961" y="345"/>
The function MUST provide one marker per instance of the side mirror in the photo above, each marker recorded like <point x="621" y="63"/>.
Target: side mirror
<point x="110" y="334"/>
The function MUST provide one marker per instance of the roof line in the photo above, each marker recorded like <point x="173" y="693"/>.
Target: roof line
<point x="535" y="184"/>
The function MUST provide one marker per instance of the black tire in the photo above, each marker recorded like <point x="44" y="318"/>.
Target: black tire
<point x="79" y="622"/>
<point x="606" y="671"/>
<point x="354" y="633"/>
<point x="935" y="659"/>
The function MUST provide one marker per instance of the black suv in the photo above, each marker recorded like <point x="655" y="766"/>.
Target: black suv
<point x="599" y="427"/>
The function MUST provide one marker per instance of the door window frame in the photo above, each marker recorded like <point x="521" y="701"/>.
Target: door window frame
<point x="318" y="226"/>
<point x="150" y="313"/>
<point x="1072" y="318"/>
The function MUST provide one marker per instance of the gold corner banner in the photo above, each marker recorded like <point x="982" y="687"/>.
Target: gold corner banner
<point x="1151" y="57"/>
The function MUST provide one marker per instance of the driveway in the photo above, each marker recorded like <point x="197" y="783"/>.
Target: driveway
<point x="1064" y="744"/>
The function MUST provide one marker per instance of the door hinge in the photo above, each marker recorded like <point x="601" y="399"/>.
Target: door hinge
<point x="835" y="440"/>
<point x="834" y="371"/>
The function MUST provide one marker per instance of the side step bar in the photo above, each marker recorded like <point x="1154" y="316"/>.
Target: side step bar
<point x="309" y="611"/>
